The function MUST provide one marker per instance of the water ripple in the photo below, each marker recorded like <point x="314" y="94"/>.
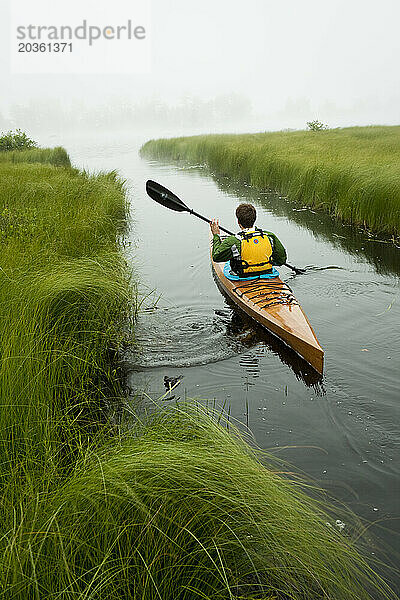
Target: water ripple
<point x="175" y="337"/>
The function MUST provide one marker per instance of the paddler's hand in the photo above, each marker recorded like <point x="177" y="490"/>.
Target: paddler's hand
<point x="214" y="226"/>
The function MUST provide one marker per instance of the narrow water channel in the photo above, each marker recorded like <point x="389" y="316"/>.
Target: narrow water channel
<point x="342" y="431"/>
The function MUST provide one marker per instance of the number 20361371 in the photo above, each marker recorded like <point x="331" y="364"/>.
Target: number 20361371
<point x="45" y="47"/>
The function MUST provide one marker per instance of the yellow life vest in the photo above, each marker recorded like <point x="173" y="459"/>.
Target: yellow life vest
<point x="255" y="254"/>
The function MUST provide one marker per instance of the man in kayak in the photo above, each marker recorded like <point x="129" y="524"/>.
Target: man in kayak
<point x="253" y="251"/>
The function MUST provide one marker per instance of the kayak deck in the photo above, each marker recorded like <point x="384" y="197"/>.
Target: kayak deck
<point x="272" y="304"/>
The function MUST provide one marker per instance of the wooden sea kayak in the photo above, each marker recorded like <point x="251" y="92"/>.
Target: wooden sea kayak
<point x="271" y="303"/>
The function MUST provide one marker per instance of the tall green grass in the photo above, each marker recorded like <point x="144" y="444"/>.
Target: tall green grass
<point x="182" y="509"/>
<point x="52" y="156"/>
<point x="64" y="291"/>
<point x="174" y="508"/>
<point x="352" y="173"/>
<point x="65" y="298"/>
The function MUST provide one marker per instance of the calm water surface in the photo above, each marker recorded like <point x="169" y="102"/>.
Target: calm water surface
<point x="343" y="431"/>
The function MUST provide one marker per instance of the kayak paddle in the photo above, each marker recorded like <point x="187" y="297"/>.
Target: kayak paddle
<point x="165" y="197"/>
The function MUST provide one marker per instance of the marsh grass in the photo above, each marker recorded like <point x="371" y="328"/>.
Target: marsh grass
<point x="352" y="173"/>
<point x="65" y="298"/>
<point x="176" y="508"/>
<point x="52" y="156"/>
<point x="181" y="509"/>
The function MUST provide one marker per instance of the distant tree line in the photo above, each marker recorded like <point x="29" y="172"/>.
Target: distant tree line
<point x="190" y="111"/>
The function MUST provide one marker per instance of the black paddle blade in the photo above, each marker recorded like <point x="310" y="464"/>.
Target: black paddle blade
<point x="163" y="196"/>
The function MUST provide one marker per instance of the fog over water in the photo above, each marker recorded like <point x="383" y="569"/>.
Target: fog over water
<point x="225" y="66"/>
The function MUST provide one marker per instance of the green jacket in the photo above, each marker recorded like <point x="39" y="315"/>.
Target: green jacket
<point x="222" y="249"/>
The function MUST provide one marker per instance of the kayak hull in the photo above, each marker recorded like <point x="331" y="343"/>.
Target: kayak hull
<point x="272" y="304"/>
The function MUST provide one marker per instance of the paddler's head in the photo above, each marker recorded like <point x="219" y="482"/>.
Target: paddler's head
<point x="246" y="215"/>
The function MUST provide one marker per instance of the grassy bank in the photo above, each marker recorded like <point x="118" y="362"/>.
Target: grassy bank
<point x="51" y="156"/>
<point x="352" y="173"/>
<point x="64" y="298"/>
<point x="175" y="509"/>
<point x="182" y="509"/>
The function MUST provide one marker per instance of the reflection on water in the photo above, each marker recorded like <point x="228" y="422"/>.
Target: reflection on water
<point x="256" y="335"/>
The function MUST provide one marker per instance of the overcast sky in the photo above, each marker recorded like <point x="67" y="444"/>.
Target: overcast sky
<point x="344" y="52"/>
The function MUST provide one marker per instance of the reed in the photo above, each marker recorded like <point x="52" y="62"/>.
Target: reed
<point x="52" y="156"/>
<point x="65" y="297"/>
<point x="181" y="509"/>
<point x="352" y="172"/>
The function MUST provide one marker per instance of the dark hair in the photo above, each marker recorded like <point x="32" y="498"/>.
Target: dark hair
<point x="246" y="215"/>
